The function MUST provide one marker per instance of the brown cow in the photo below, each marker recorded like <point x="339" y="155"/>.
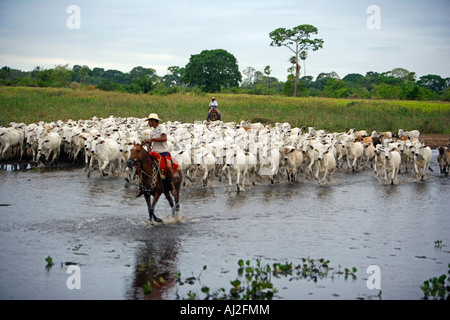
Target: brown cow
<point x="443" y="159"/>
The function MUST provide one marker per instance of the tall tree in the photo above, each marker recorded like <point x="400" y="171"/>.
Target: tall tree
<point x="211" y="70"/>
<point x="250" y="74"/>
<point x="297" y="39"/>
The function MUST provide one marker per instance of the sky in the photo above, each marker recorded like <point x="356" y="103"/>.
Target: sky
<point x="359" y="35"/>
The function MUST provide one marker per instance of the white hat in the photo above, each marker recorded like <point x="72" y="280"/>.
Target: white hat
<point x="153" y="116"/>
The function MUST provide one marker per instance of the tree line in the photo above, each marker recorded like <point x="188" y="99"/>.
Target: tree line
<point x="398" y="83"/>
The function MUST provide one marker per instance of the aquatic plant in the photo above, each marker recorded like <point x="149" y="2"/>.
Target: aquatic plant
<point x="49" y="261"/>
<point x="350" y="273"/>
<point x="438" y="244"/>
<point x="437" y="288"/>
<point x="254" y="282"/>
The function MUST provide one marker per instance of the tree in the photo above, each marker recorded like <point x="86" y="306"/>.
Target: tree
<point x="211" y="70"/>
<point x="432" y="82"/>
<point x="115" y="76"/>
<point x="250" y="74"/>
<point x="139" y="72"/>
<point x="302" y="87"/>
<point x="297" y="39"/>
<point x="81" y="74"/>
<point x="174" y="78"/>
<point x="403" y="74"/>
<point x="353" y="78"/>
<point x="61" y="75"/>
<point x="323" y="77"/>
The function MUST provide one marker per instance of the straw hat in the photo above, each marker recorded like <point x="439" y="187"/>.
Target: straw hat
<point x="153" y="116"/>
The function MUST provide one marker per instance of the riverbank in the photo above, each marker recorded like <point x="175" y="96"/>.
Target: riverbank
<point x="436" y="140"/>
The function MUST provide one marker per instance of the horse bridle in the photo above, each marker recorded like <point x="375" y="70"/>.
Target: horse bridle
<point x="138" y="165"/>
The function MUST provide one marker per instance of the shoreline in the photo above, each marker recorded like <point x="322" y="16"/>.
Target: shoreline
<point x="435" y="140"/>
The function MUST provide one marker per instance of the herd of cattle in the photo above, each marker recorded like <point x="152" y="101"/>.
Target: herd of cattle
<point x="240" y="152"/>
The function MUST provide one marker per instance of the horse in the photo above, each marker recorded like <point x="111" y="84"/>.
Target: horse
<point x="150" y="181"/>
<point x="214" y="114"/>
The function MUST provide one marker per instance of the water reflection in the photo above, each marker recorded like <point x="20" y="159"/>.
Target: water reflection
<point x="155" y="265"/>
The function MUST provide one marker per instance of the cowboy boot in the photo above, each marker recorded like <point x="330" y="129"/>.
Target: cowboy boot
<point x="170" y="177"/>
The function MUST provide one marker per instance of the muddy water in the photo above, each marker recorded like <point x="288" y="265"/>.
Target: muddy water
<point x="97" y="224"/>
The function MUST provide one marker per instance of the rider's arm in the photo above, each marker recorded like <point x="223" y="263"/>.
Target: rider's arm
<point x="163" y="138"/>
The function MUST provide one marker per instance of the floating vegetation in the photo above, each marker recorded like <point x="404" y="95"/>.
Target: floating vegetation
<point x="254" y="281"/>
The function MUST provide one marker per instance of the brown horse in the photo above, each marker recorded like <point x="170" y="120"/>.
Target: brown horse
<point x="151" y="182"/>
<point x="214" y="114"/>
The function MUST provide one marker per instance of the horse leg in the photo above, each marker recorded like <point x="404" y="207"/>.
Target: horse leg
<point x="155" y="200"/>
<point x="171" y="203"/>
<point x="178" y="182"/>
<point x="151" y="206"/>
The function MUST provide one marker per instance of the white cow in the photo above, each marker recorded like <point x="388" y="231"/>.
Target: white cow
<point x="49" y="146"/>
<point x="11" y="138"/>
<point x="183" y="156"/>
<point x="125" y="148"/>
<point x="270" y="161"/>
<point x="106" y="152"/>
<point x="309" y="153"/>
<point x="77" y="144"/>
<point x="413" y="134"/>
<point x="355" y="151"/>
<point x="369" y="153"/>
<point x="293" y="160"/>
<point x="31" y="140"/>
<point x="392" y="160"/>
<point x="422" y="159"/>
<point x="241" y="163"/>
<point x="378" y="162"/>
<point x="325" y="163"/>
<point x="207" y="165"/>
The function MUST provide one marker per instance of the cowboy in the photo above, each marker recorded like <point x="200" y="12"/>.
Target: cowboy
<point x="158" y="143"/>
<point x="213" y="105"/>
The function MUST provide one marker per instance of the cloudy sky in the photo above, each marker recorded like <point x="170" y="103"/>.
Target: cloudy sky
<point x="410" y="34"/>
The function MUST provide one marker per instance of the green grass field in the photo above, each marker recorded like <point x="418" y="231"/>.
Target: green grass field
<point x="28" y="105"/>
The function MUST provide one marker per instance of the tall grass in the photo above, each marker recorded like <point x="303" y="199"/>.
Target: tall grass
<point x="22" y="104"/>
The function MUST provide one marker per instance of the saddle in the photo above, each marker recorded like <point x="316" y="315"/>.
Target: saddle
<point x="161" y="164"/>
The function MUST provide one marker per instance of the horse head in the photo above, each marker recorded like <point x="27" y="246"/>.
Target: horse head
<point x="137" y="155"/>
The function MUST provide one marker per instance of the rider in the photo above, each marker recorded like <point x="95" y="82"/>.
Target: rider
<point x="158" y="142"/>
<point x="213" y="105"/>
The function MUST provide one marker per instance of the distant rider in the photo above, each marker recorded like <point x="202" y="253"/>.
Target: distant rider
<point x="213" y="105"/>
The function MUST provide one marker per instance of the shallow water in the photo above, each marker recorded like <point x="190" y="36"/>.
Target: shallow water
<point x="98" y="225"/>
